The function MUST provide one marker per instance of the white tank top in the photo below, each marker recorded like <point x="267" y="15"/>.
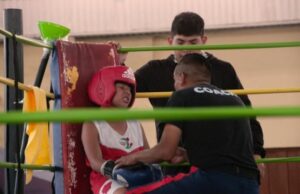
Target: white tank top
<point x="131" y="140"/>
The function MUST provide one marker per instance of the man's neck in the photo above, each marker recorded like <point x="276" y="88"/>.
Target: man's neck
<point x="193" y="84"/>
<point x="196" y="83"/>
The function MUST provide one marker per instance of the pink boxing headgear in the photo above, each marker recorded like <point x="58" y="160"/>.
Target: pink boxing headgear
<point x="101" y="88"/>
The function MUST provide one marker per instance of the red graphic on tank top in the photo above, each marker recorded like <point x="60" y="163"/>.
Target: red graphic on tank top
<point x="124" y="141"/>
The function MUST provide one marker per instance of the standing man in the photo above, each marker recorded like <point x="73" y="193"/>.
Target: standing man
<point x="220" y="148"/>
<point x="157" y="75"/>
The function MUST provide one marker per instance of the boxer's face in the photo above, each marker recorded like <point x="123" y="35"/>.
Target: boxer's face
<point x="123" y="96"/>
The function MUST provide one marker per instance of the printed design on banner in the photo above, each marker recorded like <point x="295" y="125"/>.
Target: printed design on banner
<point x="72" y="75"/>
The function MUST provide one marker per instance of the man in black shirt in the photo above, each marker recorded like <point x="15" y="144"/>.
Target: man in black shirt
<point x="188" y="29"/>
<point x="221" y="149"/>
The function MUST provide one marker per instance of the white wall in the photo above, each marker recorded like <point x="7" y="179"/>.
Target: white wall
<point x="107" y="17"/>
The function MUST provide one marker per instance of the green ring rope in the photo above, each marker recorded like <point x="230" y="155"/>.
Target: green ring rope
<point x="27" y="166"/>
<point x="36" y="43"/>
<point x="278" y="160"/>
<point x="213" y="47"/>
<point x="91" y="114"/>
<point x="258" y="161"/>
<point x="11" y="165"/>
<point x="25" y="40"/>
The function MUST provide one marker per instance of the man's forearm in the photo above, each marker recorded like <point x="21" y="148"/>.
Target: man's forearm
<point x="154" y="155"/>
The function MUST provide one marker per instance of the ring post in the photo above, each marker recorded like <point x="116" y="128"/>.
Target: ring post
<point x="13" y="23"/>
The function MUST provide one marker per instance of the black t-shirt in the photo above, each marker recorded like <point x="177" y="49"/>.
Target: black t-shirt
<point x="157" y="76"/>
<point x="211" y="143"/>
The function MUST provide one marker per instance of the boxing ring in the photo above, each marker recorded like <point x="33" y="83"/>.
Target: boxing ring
<point x="69" y="76"/>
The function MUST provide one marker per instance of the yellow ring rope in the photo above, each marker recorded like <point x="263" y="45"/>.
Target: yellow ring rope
<point x="25" y="87"/>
